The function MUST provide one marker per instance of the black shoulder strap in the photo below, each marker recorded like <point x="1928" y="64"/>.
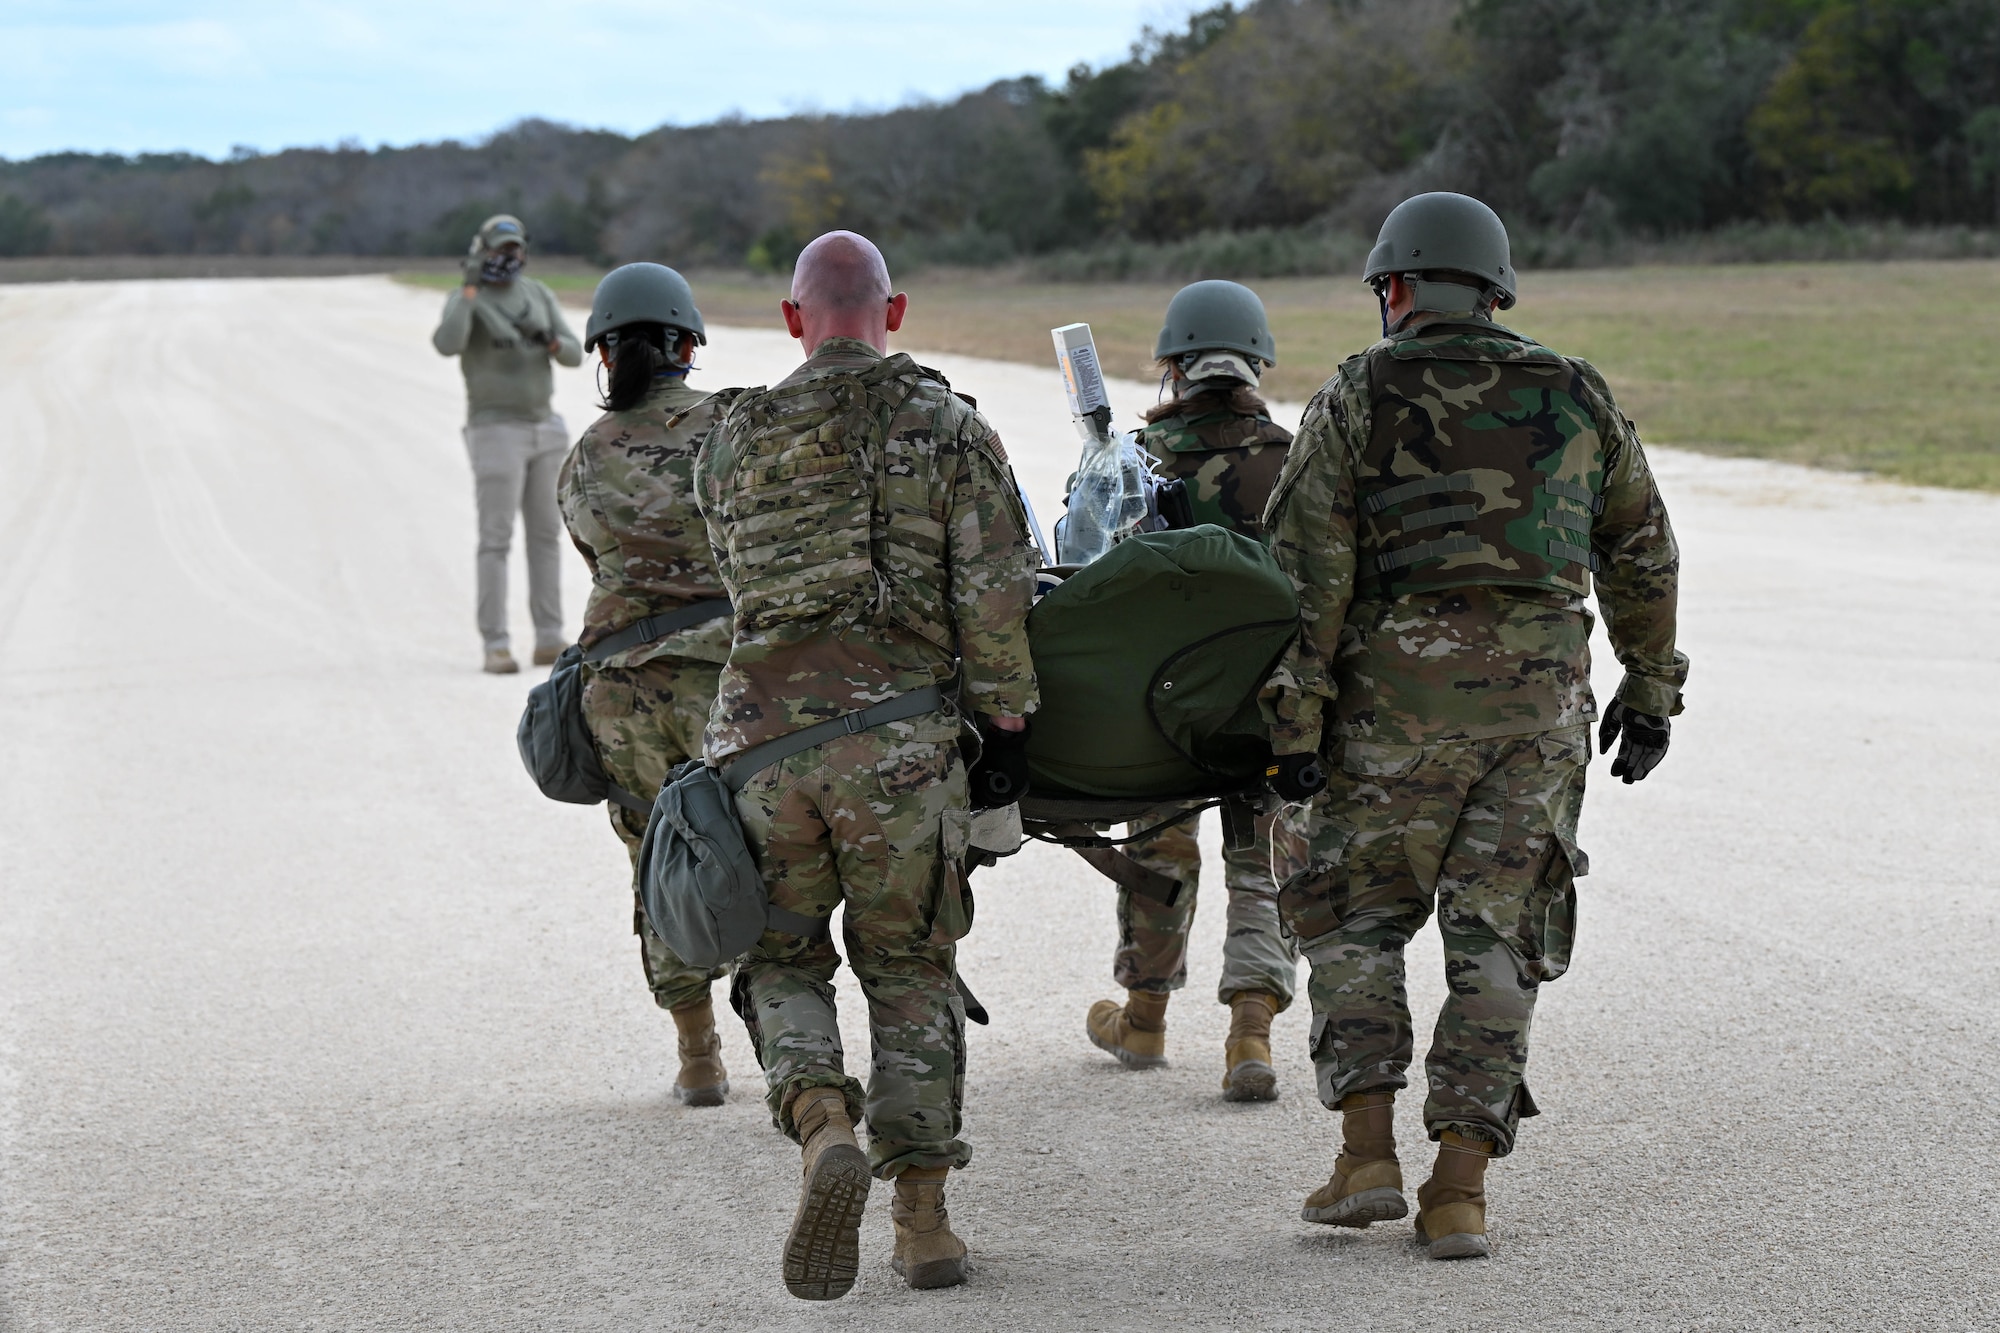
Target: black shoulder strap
<point x="649" y="628"/>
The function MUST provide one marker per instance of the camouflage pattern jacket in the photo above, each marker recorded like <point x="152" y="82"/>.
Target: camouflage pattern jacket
<point x="1483" y="659"/>
<point x="938" y="577"/>
<point x="1230" y="460"/>
<point x="627" y="493"/>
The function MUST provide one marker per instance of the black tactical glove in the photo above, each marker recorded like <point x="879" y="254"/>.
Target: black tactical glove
<point x="1296" y="777"/>
<point x="1001" y="775"/>
<point x="1644" y="746"/>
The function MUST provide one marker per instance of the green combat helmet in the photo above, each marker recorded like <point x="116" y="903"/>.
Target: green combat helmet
<point x="1204" y="316"/>
<point x="1451" y="233"/>
<point x="643" y="294"/>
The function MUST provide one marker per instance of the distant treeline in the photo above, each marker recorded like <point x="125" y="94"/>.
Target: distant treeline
<point x="1295" y="124"/>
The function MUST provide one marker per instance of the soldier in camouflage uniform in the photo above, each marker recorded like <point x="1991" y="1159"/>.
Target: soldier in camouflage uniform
<point x="1451" y="492"/>
<point x="1215" y="434"/>
<point x="867" y="525"/>
<point x="627" y="494"/>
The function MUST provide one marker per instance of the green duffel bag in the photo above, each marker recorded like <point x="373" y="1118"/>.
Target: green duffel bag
<point x="1150" y="659"/>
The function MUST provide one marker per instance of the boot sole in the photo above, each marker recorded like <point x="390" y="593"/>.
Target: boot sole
<point x="823" y="1250"/>
<point x="1459" y="1245"/>
<point x="710" y="1096"/>
<point x="931" y="1275"/>
<point x="1251" y="1081"/>
<point x="1359" y="1210"/>
<point x="1130" y="1059"/>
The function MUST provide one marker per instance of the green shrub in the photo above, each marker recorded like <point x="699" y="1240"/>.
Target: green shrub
<point x="24" y="228"/>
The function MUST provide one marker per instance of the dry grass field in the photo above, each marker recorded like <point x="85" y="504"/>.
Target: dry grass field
<point x="1891" y="368"/>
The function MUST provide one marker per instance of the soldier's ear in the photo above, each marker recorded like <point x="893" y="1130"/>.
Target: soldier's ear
<point x="899" y="305"/>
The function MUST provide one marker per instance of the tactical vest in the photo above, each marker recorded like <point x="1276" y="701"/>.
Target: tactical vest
<point x="1478" y="469"/>
<point x="822" y="521"/>
<point x="1230" y="462"/>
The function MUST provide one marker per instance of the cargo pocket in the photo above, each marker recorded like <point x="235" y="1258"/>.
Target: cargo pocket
<point x="1549" y="923"/>
<point x="910" y="766"/>
<point x="1570" y="745"/>
<point x="1369" y="759"/>
<point x="1312" y="902"/>
<point x="951" y="908"/>
<point x="746" y="1009"/>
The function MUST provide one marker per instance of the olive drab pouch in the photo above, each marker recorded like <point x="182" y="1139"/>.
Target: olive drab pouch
<point x="700" y="887"/>
<point x="555" y="744"/>
<point x="697" y="880"/>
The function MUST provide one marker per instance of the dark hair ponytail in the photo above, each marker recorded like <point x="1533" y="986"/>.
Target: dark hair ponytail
<point x="638" y="355"/>
<point x="1240" y="398"/>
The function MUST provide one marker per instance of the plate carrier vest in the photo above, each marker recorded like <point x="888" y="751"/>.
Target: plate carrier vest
<point x="820" y="520"/>
<point x="1477" y="470"/>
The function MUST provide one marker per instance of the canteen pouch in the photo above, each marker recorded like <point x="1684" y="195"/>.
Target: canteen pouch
<point x="699" y="886"/>
<point x="555" y="745"/>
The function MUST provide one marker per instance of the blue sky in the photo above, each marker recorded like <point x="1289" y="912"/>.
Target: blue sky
<point x="206" y="75"/>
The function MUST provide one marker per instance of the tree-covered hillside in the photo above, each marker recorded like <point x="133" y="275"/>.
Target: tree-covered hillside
<point x="1630" y="117"/>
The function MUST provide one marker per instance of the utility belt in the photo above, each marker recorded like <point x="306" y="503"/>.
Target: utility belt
<point x="698" y="883"/>
<point x="554" y="740"/>
<point x="647" y="629"/>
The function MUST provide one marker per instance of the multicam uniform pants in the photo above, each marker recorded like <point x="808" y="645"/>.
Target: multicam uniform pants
<point x="646" y="719"/>
<point x="877" y="821"/>
<point x="1152" y="937"/>
<point x="1486" y="831"/>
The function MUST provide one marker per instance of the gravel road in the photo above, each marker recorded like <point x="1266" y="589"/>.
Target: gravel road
<point x="317" y="1016"/>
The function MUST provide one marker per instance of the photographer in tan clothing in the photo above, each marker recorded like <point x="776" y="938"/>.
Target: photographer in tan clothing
<point x="504" y="329"/>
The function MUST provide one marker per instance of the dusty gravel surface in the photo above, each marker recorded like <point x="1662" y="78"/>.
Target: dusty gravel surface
<point x="318" y="1016"/>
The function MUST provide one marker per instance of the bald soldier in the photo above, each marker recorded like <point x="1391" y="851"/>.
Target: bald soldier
<point x="868" y="529"/>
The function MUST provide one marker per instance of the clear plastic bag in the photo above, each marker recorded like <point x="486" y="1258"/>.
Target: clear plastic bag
<point x="1108" y="498"/>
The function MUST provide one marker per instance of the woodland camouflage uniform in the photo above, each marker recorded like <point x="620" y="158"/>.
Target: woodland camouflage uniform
<point x="1229" y="456"/>
<point x="859" y="574"/>
<point x="1443" y="668"/>
<point x="627" y="494"/>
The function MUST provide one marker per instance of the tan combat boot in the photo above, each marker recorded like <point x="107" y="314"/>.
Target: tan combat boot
<point x="500" y="662"/>
<point x="1367" y="1184"/>
<point x="702" y="1080"/>
<point x="927" y="1253"/>
<point x="1451" y="1205"/>
<point x="1246" y="1056"/>
<point x="546" y="655"/>
<point x="1135" y="1032"/>
<point x="823" y="1250"/>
